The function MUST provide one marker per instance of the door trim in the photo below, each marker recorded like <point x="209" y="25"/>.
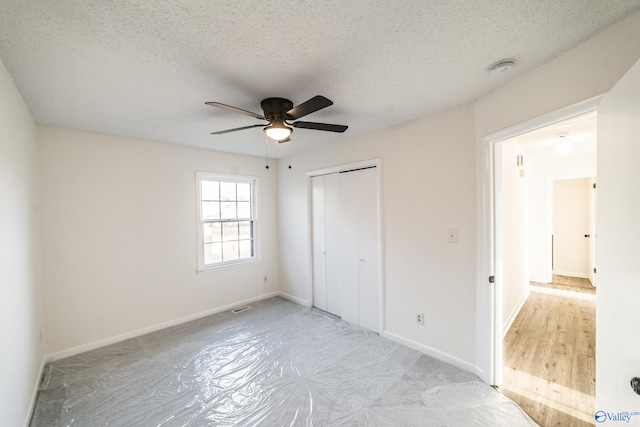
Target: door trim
<point x="490" y="234"/>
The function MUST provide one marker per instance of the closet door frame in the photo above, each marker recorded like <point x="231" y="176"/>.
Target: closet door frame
<point x="337" y="169"/>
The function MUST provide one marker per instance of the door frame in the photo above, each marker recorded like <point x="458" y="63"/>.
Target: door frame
<point x="593" y="214"/>
<point x="490" y="234"/>
<point x="377" y="163"/>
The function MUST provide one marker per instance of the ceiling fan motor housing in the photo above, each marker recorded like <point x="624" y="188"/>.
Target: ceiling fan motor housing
<point x="276" y="108"/>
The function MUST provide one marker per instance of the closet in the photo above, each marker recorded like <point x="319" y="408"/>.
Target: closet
<point x="345" y="245"/>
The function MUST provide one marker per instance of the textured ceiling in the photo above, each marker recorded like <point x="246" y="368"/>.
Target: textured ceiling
<point x="145" y="68"/>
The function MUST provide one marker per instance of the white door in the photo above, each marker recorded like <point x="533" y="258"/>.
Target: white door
<point x="349" y="268"/>
<point x="359" y="248"/>
<point x="325" y="242"/>
<point x="368" y="248"/>
<point x="345" y="246"/>
<point x="332" y="241"/>
<point x="571" y="227"/>
<point x="618" y="228"/>
<point x="319" y="264"/>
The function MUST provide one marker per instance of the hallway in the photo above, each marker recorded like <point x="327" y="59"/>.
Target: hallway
<point x="549" y="354"/>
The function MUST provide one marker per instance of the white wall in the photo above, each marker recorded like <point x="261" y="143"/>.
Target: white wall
<point x="570" y="224"/>
<point x="543" y="170"/>
<point x="119" y="237"/>
<point x="585" y="71"/>
<point x="428" y="187"/>
<point x="514" y="277"/>
<point x="20" y="280"/>
<point x="617" y="343"/>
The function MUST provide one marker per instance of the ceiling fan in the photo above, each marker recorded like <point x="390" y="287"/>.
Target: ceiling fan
<point x="278" y="112"/>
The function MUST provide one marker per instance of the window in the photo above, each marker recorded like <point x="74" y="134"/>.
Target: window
<point x="227" y="220"/>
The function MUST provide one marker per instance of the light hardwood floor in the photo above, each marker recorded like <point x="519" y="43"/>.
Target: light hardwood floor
<point x="549" y="359"/>
<point x="566" y="283"/>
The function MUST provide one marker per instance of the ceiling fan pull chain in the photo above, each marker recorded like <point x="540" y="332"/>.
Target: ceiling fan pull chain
<point x="266" y="150"/>
<point x="289" y="147"/>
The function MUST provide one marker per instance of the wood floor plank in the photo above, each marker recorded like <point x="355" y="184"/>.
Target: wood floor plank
<point x="549" y="360"/>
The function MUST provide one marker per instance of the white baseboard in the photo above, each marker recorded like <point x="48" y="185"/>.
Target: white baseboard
<point x="429" y="351"/>
<point x="571" y="274"/>
<point x="118" y="338"/>
<point x="514" y="314"/>
<point x="297" y="300"/>
<point x="481" y="373"/>
<point x="34" y="395"/>
<point x="541" y="279"/>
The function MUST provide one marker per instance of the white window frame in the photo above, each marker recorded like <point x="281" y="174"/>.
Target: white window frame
<point x="210" y="176"/>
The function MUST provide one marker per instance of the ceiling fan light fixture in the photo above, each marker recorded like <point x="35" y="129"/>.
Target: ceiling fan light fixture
<point x="564" y="147"/>
<point x="278" y="131"/>
<point x="564" y="144"/>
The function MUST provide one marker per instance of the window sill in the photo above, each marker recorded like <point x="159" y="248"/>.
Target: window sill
<point x="226" y="266"/>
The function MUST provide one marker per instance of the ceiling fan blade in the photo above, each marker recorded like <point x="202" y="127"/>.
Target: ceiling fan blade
<point x="316" y="103"/>
<point x="236" y="109"/>
<point x="320" y="126"/>
<point x="220" y="132"/>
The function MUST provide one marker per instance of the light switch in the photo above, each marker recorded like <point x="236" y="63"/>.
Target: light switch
<point x="452" y="236"/>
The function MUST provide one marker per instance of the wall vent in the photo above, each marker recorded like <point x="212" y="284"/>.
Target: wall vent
<point x="241" y="309"/>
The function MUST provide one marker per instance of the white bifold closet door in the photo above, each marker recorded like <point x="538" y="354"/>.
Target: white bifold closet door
<point x="326" y="281"/>
<point x="345" y="246"/>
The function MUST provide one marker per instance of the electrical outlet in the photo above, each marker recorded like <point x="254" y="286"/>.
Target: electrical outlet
<point x="420" y="318"/>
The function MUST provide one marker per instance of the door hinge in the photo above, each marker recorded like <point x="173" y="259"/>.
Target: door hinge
<point x="594" y="185"/>
<point x="492" y="279"/>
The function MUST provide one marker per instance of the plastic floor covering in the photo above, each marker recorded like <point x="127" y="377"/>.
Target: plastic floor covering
<point x="278" y="364"/>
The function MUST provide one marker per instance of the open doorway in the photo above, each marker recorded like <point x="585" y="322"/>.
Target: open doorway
<point x="573" y="233"/>
<point x="544" y="227"/>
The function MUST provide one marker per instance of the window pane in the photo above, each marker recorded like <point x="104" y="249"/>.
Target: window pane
<point x="244" y="210"/>
<point x="212" y="253"/>
<point x="227" y="219"/>
<point x="210" y="210"/>
<point x="229" y="251"/>
<point x="244" y="191"/>
<point x="246" y="249"/>
<point x="246" y="230"/>
<point x="229" y="231"/>
<point x="210" y="190"/>
<point x="228" y="191"/>
<point x="212" y="232"/>
<point x="228" y="210"/>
